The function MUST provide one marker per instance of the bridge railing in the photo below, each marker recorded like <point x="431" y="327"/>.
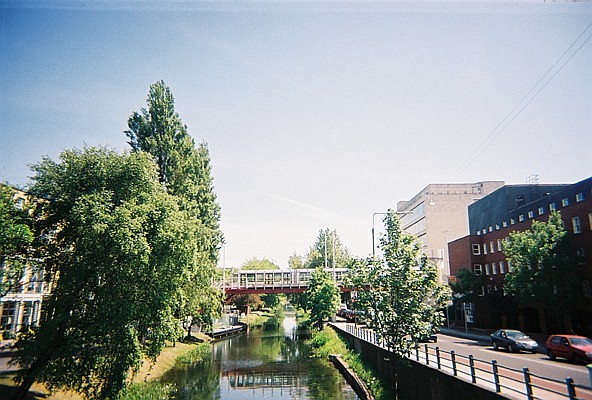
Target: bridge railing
<point x="513" y="383"/>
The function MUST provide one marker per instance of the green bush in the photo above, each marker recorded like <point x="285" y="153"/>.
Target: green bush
<point x="8" y="335"/>
<point x="200" y="353"/>
<point x="148" y="391"/>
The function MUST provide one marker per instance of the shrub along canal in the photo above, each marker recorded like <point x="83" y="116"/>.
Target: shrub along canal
<point x="263" y="363"/>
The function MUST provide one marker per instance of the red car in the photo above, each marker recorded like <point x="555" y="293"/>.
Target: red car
<point x="575" y="348"/>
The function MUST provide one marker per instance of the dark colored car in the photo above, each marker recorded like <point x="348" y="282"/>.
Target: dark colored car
<point x="427" y="338"/>
<point x="577" y="349"/>
<point x="513" y="341"/>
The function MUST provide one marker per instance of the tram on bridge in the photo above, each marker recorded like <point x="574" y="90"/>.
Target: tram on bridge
<point x="277" y="279"/>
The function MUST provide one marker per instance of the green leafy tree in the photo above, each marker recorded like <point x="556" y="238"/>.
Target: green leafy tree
<point x="321" y="299"/>
<point x="328" y="251"/>
<point x="247" y="302"/>
<point x="118" y="257"/>
<point x="544" y="274"/>
<point x="185" y="170"/>
<point x="401" y="292"/>
<point x="256" y="264"/>
<point x="15" y="238"/>
<point x="295" y="262"/>
<point x="468" y="285"/>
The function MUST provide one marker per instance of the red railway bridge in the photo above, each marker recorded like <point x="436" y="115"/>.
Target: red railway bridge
<point x="275" y="281"/>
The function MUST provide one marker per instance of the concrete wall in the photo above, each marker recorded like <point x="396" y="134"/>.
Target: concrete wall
<point x="417" y="381"/>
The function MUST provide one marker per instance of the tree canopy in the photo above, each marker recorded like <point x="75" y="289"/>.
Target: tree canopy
<point x="327" y="251"/>
<point x="117" y="259"/>
<point x="544" y="270"/>
<point x="321" y="298"/>
<point x="401" y="291"/>
<point x="185" y="170"/>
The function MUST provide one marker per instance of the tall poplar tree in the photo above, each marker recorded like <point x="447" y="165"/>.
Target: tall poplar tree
<point x="327" y="251"/>
<point x="185" y="171"/>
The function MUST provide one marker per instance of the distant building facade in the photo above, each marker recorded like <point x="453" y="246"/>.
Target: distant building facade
<point x="513" y="208"/>
<point x="21" y="306"/>
<point x="438" y="214"/>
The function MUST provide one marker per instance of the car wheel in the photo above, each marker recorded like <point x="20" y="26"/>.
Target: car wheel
<point x="550" y="355"/>
<point x="495" y="346"/>
<point x="511" y="348"/>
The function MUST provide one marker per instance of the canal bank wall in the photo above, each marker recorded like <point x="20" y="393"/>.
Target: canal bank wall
<point x="417" y="381"/>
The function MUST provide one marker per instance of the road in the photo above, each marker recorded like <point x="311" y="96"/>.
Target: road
<point x="538" y="364"/>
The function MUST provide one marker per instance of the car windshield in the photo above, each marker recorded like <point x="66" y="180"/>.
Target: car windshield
<point x="580" y="341"/>
<point x="516" y="334"/>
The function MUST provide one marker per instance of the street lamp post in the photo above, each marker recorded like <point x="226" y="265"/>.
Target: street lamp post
<point x="384" y="213"/>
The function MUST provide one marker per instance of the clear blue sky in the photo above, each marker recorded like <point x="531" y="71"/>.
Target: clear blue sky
<point x="317" y="115"/>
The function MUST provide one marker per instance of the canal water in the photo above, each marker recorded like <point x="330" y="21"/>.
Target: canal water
<point x="261" y="364"/>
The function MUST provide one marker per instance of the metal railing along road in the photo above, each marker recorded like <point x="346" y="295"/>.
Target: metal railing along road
<point x="510" y="382"/>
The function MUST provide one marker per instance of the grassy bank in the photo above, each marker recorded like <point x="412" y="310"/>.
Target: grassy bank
<point x="264" y="317"/>
<point x="328" y="342"/>
<point x="144" y="385"/>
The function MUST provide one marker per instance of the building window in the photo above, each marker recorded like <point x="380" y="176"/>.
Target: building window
<point x="499" y="245"/>
<point x="494" y="268"/>
<point x="581" y="255"/>
<point x="521" y="217"/>
<point x="541" y="210"/>
<point x="502" y="267"/>
<point x="530" y="214"/>
<point x="579" y="197"/>
<point x="575" y="221"/>
<point x="477" y="269"/>
<point x="478" y="233"/>
<point x="484" y="248"/>
<point x="490" y="229"/>
<point x="19" y="203"/>
<point x="491" y="247"/>
<point x="496" y="227"/>
<point x="484" y="231"/>
<point x="512" y="221"/>
<point x="504" y="224"/>
<point x="552" y="207"/>
<point x="487" y="269"/>
<point x="587" y="289"/>
<point x="590" y="220"/>
<point x="565" y="202"/>
<point x="476" y="249"/>
<point x="510" y="267"/>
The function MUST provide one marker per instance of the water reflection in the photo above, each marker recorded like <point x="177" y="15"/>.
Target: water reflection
<point x="263" y="364"/>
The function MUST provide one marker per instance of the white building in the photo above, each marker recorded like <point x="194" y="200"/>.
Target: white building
<point x="21" y="306"/>
<point x="438" y="215"/>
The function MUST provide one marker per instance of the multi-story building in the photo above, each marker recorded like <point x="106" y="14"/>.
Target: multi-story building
<point x="21" y="306"/>
<point x="513" y="208"/>
<point x="438" y="214"/>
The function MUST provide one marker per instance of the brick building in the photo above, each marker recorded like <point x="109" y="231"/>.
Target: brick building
<point x="513" y="208"/>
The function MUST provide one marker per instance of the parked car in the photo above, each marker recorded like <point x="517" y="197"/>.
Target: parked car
<point x="513" y="341"/>
<point x="577" y="349"/>
<point x="426" y="338"/>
